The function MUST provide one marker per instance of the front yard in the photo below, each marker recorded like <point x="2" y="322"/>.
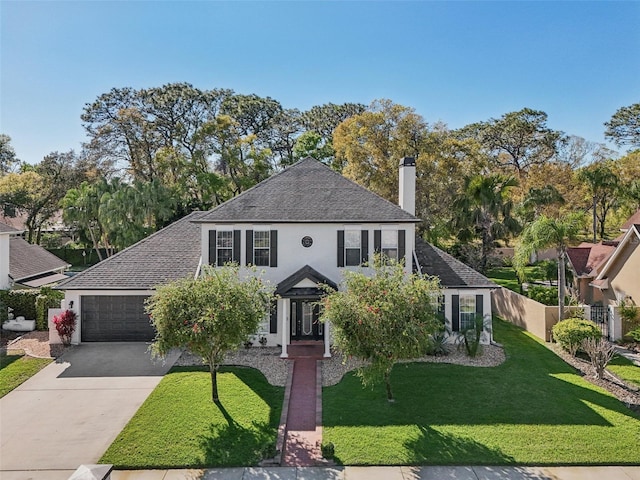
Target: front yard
<point x="532" y="409"/>
<point x="179" y="425"/>
<point x="16" y="369"/>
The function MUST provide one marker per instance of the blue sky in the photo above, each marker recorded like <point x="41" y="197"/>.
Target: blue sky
<point x="456" y="62"/>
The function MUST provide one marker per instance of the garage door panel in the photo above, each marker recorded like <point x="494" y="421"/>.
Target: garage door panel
<point x="115" y="318"/>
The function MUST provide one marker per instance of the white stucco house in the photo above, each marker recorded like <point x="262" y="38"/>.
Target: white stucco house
<point x="303" y="227"/>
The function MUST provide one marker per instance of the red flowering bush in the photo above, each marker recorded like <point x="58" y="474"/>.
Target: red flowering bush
<point x="65" y="325"/>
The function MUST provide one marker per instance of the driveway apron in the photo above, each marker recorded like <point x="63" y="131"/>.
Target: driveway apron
<point x="69" y="413"/>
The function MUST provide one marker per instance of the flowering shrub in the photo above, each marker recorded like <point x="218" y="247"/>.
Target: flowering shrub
<point x="65" y="325"/>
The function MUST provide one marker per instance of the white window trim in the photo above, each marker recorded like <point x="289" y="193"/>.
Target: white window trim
<point x="471" y="299"/>
<point x="268" y="248"/>
<point x="218" y="248"/>
<point x="359" y="248"/>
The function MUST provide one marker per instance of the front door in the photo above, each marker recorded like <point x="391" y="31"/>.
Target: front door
<point x="305" y="323"/>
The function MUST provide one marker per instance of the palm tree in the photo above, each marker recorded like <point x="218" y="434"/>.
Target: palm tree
<point x="547" y="232"/>
<point x="483" y="211"/>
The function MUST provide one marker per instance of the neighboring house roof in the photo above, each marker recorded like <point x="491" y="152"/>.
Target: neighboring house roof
<point x="587" y="258"/>
<point x="18" y="221"/>
<point x="169" y="254"/>
<point x="452" y="272"/>
<point x="632" y="237"/>
<point x="308" y="192"/>
<point x="27" y="260"/>
<point x="633" y="220"/>
<point x="4" y="228"/>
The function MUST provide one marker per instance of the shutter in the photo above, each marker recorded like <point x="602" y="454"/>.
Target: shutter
<point x="364" y="245"/>
<point x="455" y="313"/>
<point x="341" y="248"/>
<point x="377" y="241"/>
<point x="249" y="249"/>
<point x="212" y="247"/>
<point x="441" y="305"/>
<point x="479" y="305"/>
<point x="273" y="254"/>
<point x="401" y="245"/>
<point x="236" y="246"/>
<point x="273" y="320"/>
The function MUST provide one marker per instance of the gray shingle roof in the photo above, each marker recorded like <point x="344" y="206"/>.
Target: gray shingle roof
<point x="452" y="272"/>
<point x="4" y="228"/>
<point x="309" y="192"/>
<point x="27" y="260"/>
<point x="169" y="254"/>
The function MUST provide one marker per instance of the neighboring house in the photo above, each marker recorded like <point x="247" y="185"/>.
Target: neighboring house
<point x="584" y="262"/>
<point x="303" y="227"/>
<point x="588" y="261"/>
<point x="32" y="266"/>
<point x="23" y="265"/>
<point x="5" y="235"/>
<point x="619" y="277"/>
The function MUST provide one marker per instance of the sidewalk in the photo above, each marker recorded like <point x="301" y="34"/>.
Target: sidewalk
<point x="388" y="473"/>
<point x="629" y="355"/>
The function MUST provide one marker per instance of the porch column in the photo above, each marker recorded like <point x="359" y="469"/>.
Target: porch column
<point x="286" y="326"/>
<point x="327" y="340"/>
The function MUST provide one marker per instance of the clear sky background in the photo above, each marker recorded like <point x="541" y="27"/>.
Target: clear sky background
<point x="456" y="62"/>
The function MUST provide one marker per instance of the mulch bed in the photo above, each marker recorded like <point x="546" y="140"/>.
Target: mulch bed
<point x="626" y="393"/>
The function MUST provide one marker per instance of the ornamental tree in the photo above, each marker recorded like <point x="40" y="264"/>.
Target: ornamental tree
<point x="211" y="315"/>
<point x="383" y="317"/>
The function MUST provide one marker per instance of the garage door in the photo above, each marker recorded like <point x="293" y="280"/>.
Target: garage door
<point x="108" y="318"/>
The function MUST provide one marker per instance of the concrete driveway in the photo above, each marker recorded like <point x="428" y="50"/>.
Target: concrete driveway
<point x="69" y="413"/>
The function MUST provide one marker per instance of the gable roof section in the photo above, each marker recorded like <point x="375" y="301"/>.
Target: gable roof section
<point x="452" y="272"/>
<point x="307" y="192"/>
<point x="27" y="260"/>
<point x="306" y="272"/>
<point x="587" y="258"/>
<point x="169" y="254"/>
<point x="633" y="220"/>
<point x="631" y="238"/>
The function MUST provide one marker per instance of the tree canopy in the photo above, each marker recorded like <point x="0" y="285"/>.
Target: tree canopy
<point x="211" y="315"/>
<point x="624" y="126"/>
<point x="383" y="317"/>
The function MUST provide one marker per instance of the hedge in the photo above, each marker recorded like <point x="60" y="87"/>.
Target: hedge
<point x="571" y="332"/>
<point x="30" y="304"/>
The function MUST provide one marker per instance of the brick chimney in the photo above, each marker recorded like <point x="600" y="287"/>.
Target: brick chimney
<point x="407" y="179"/>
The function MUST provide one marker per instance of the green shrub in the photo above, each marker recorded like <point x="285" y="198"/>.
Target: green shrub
<point x="544" y="295"/>
<point x="572" y="332"/>
<point x="30" y="304"/>
<point x="23" y="302"/>
<point x="437" y="344"/>
<point x="635" y="334"/>
<point x="328" y="450"/>
<point x="47" y="299"/>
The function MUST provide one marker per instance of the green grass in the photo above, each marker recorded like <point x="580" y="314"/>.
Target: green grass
<point x="506" y="276"/>
<point x="16" y="369"/>
<point x="532" y="409"/>
<point x="179" y="425"/>
<point x="625" y="369"/>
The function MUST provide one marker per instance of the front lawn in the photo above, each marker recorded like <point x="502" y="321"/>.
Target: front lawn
<point x="625" y="369"/>
<point x="532" y="409"/>
<point x="506" y="276"/>
<point x="179" y="425"/>
<point x="16" y="369"/>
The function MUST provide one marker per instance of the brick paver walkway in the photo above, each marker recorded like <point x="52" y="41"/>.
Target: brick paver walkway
<point x="304" y="432"/>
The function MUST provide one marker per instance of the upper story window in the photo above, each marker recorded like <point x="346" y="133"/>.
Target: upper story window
<point x="261" y="248"/>
<point x="224" y="247"/>
<point x="352" y="247"/>
<point x="390" y="243"/>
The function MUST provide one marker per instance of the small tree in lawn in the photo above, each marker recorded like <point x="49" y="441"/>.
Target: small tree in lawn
<point x="211" y="315"/>
<point x="383" y="318"/>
